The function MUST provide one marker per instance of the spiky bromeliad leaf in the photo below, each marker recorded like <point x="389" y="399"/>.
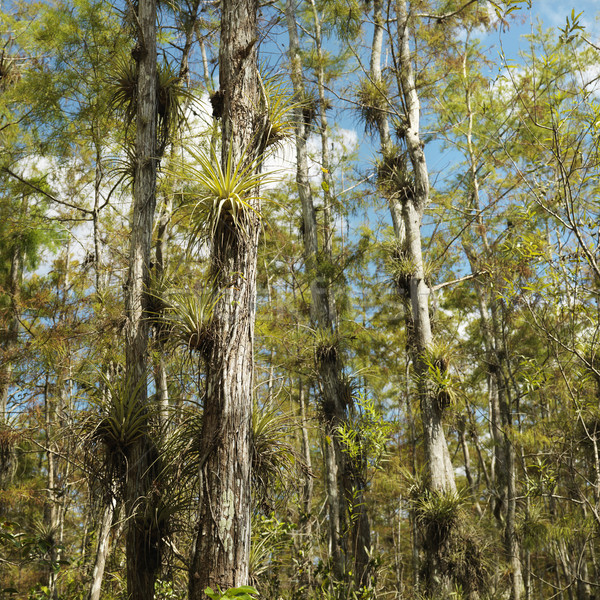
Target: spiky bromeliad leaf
<point x="272" y="455"/>
<point x="171" y="96"/>
<point x="123" y="81"/>
<point x="120" y="418"/>
<point x="280" y="109"/>
<point x="225" y="196"/>
<point x="116" y="420"/>
<point x="188" y="318"/>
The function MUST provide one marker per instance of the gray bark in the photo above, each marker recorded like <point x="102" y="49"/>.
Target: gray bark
<point x="101" y="551"/>
<point x="439" y="467"/>
<point x="221" y="553"/>
<point x="306" y="519"/>
<point x="143" y="537"/>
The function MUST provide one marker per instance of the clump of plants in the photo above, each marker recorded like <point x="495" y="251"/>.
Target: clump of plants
<point x="394" y="178"/>
<point x="371" y="97"/>
<point x="326" y="345"/>
<point x="454" y="551"/>
<point x="445" y="389"/>
<point x="188" y="317"/>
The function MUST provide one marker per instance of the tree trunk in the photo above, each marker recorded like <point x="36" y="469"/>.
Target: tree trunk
<point x="7" y="346"/>
<point x="306" y="494"/>
<point x="10" y="339"/>
<point x="328" y="361"/>
<point x="440" y="471"/>
<point x="221" y="554"/>
<point x="102" y="551"/>
<point x="143" y="537"/>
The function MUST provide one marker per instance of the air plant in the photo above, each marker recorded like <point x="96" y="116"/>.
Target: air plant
<point x="226" y="195"/>
<point x="394" y="177"/>
<point x="188" y="317"/>
<point x="116" y="421"/>
<point x="372" y="100"/>
<point x="279" y="109"/>
<point x="272" y="455"/>
<point x="437" y="358"/>
<point x="171" y="96"/>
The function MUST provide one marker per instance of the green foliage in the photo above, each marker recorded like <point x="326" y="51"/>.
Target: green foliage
<point x="187" y="319"/>
<point x="373" y="99"/>
<point x="394" y="177"/>
<point x="270" y="540"/>
<point x="273" y="457"/>
<point x="365" y="435"/>
<point x="244" y="592"/>
<point x="280" y="108"/>
<point x="165" y="590"/>
<point x="225" y="196"/>
<point x="115" y="421"/>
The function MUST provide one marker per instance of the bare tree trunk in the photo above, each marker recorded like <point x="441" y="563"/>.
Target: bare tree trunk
<point x="221" y="554"/>
<point x="305" y="528"/>
<point x="102" y="550"/>
<point x="143" y="537"/>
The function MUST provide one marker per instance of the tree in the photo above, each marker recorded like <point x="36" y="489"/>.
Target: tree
<point x="221" y="552"/>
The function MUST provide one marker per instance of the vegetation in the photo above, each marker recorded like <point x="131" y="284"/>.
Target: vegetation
<point x="257" y="342"/>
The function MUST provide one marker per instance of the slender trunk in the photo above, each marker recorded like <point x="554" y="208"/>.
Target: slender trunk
<point x="143" y="537"/>
<point x="305" y="528"/>
<point x="221" y="554"/>
<point x="160" y="367"/>
<point x="7" y="346"/>
<point x="102" y="551"/>
<point x="500" y="397"/>
<point x="328" y="360"/>
<point x="9" y="341"/>
<point x="328" y="193"/>
<point x="462" y="424"/>
<point x="414" y="198"/>
<point x="51" y="505"/>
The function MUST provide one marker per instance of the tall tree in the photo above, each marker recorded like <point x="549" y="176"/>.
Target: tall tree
<point x="322" y="309"/>
<point x="143" y="531"/>
<point x="221" y="553"/>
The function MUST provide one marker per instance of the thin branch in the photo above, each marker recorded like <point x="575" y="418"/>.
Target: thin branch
<point x="439" y="286"/>
<point x="447" y="15"/>
<point x="37" y="188"/>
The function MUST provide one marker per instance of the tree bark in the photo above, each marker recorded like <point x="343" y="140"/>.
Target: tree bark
<point x="221" y="553"/>
<point x="305" y="530"/>
<point x="143" y="537"/>
<point x="439" y="467"/>
<point x="102" y="550"/>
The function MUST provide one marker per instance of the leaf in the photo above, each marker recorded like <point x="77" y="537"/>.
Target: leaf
<point x="244" y="589"/>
